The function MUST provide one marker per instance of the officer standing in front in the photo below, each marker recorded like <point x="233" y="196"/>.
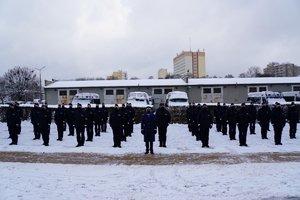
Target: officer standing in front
<point x="163" y="118"/>
<point x="148" y="129"/>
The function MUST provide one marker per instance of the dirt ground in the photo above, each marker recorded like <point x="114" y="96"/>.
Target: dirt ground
<point x="141" y="159"/>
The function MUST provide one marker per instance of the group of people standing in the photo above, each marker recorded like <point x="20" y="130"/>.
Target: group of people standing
<point x="78" y="120"/>
<point x="228" y="119"/>
<point x="121" y="119"/>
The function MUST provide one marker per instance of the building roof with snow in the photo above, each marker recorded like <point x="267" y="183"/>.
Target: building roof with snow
<point x="174" y="82"/>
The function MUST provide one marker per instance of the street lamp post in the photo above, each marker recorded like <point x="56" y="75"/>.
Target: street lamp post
<point x="41" y="90"/>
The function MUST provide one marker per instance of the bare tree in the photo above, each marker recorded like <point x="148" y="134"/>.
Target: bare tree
<point x="253" y="71"/>
<point x="21" y="83"/>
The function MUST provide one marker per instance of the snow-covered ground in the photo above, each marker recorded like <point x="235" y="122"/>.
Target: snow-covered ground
<point x="209" y="181"/>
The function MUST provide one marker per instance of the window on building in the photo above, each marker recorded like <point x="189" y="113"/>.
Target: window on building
<point x="252" y="89"/>
<point x="63" y="93"/>
<point x="120" y="92"/>
<point x="262" y="89"/>
<point x="206" y="90"/>
<point x="217" y="90"/>
<point x="157" y="91"/>
<point x="257" y="88"/>
<point x="296" y="88"/>
<point x="109" y="92"/>
<point x="72" y="92"/>
<point x="167" y="90"/>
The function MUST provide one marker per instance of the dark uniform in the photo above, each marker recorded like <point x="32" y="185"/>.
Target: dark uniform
<point x="19" y="112"/>
<point x="243" y="123"/>
<point x="116" y="123"/>
<point x="163" y="118"/>
<point x="196" y="125"/>
<point x="60" y="119"/>
<point x="13" y="123"/>
<point x="231" y="117"/>
<point x="79" y="122"/>
<point x="70" y="119"/>
<point x="252" y="118"/>
<point x="293" y="119"/>
<point x="89" y="120"/>
<point x="206" y="121"/>
<point x="35" y="120"/>
<point x="188" y="114"/>
<point x="224" y="119"/>
<point x="278" y="122"/>
<point x="46" y="117"/>
<point x="263" y="118"/>
<point x="131" y="115"/>
<point x="218" y="117"/>
<point x="97" y="118"/>
<point x="126" y="126"/>
<point x="148" y="129"/>
<point x="104" y="118"/>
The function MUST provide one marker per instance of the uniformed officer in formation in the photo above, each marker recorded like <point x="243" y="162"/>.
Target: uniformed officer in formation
<point x="224" y="121"/>
<point x="70" y="119"/>
<point x="125" y="125"/>
<point x="205" y="121"/>
<point x="116" y="123"/>
<point x="148" y="129"/>
<point x="89" y="122"/>
<point x="80" y="123"/>
<point x="232" y="117"/>
<point x="218" y="117"/>
<point x="243" y="123"/>
<point x="252" y="118"/>
<point x="97" y="118"/>
<point x="13" y="123"/>
<point x="293" y="119"/>
<point x="104" y="118"/>
<point x="163" y="118"/>
<point x="188" y="114"/>
<point x="35" y="120"/>
<point x="278" y="121"/>
<point x="45" y="122"/>
<point x="60" y="120"/>
<point x="196" y="125"/>
<point x="19" y="112"/>
<point x="131" y="118"/>
<point x="263" y="119"/>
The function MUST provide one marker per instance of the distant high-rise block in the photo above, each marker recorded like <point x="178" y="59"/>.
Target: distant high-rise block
<point x="282" y="70"/>
<point x="190" y="62"/>
<point x="162" y="73"/>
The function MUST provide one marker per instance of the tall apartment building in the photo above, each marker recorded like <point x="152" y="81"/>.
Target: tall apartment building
<point x="282" y="70"/>
<point x="192" y="62"/>
<point x="162" y="73"/>
<point x="118" y="75"/>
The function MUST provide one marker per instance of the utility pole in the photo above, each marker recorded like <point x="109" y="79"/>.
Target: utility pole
<point x="41" y="90"/>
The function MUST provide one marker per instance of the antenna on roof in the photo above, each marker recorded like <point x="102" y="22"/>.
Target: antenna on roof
<point x="190" y="44"/>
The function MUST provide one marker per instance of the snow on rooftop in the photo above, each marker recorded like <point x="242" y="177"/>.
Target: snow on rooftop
<point x="172" y="82"/>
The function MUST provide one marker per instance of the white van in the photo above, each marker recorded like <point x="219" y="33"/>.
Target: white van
<point x="86" y="98"/>
<point x="139" y="99"/>
<point x="177" y="98"/>
<point x="265" y="97"/>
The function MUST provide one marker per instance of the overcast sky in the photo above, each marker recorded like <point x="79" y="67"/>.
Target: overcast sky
<point x="93" y="38"/>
